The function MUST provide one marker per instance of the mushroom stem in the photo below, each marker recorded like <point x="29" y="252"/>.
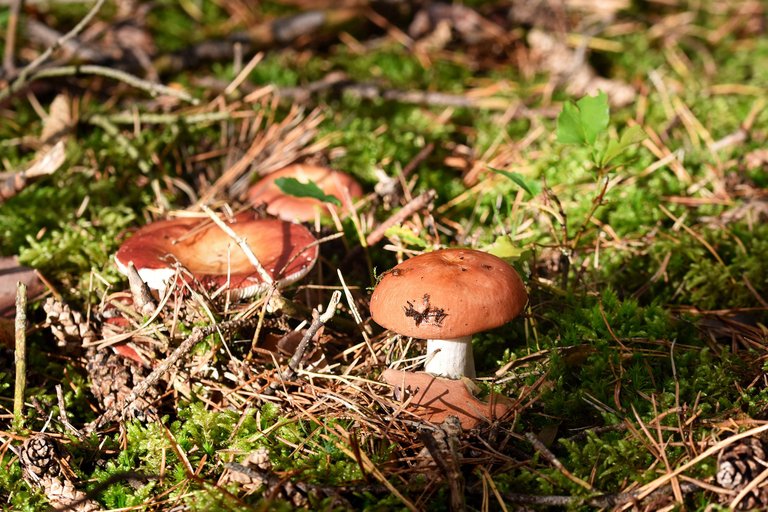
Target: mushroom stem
<point x="450" y="358"/>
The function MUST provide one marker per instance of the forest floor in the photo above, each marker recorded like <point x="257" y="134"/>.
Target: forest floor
<point x="616" y="157"/>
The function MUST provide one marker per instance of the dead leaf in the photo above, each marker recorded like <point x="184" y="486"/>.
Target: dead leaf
<point x="11" y="273"/>
<point x="47" y="162"/>
<point x="434" y="399"/>
<point x="59" y="121"/>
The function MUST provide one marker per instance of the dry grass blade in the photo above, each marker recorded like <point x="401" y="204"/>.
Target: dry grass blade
<point x="368" y="466"/>
<point x="649" y="488"/>
<point x="275" y="146"/>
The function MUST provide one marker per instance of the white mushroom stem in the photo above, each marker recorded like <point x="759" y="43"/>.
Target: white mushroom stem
<point x="450" y="358"/>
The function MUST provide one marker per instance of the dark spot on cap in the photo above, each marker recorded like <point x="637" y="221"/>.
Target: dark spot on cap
<point x="486" y="266"/>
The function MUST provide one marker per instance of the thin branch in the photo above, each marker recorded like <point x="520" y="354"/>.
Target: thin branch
<point x="539" y="446"/>
<point x="32" y="66"/>
<point x="240" y="242"/>
<point x="10" y="37"/>
<point x="317" y="322"/>
<point x="417" y="203"/>
<point x="151" y="118"/>
<point x="198" y="334"/>
<point x="596" y="202"/>
<point x="153" y="88"/>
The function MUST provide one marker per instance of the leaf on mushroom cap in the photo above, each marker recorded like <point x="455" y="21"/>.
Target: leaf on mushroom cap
<point x="448" y="294"/>
<point x="290" y="207"/>
<point x="284" y="249"/>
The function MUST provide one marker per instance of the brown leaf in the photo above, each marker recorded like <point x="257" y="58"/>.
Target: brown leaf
<point x="434" y="398"/>
<point x="59" y="121"/>
<point x="11" y="273"/>
<point x="46" y="162"/>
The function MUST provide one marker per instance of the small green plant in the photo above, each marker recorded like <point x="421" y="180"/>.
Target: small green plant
<point x="582" y="123"/>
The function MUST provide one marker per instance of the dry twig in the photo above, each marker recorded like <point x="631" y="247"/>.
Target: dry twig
<point x="416" y="204"/>
<point x="20" y="355"/>
<point x="25" y="73"/>
<point x="198" y="334"/>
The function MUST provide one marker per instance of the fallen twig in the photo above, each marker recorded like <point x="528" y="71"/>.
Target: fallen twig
<point x="417" y="203"/>
<point x="278" y="32"/>
<point x="24" y="74"/>
<point x="198" y="334"/>
<point x="318" y="321"/>
<point x="153" y="88"/>
<point x="442" y="445"/>
<point x="539" y="446"/>
<point x="10" y="37"/>
<point x="20" y="355"/>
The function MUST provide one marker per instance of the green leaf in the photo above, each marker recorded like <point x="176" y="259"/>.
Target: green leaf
<point x="594" y="115"/>
<point x="504" y="248"/>
<point x="531" y="187"/>
<point x="294" y="187"/>
<point x="406" y="235"/>
<point x="569" y="130"/>
<point x="582" y="122"/>
<point x="630" y="136"/>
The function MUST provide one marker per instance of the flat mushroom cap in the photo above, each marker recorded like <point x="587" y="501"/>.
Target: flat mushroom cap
<point x="334" y="183"/>
<point x="214" y="258"/>
<point x="448" y="294"/>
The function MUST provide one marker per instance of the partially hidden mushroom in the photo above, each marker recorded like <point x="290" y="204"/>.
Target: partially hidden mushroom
<point x="335" y="183"/>
<point x="287" y="251"/>
<point x="445" y="297"/>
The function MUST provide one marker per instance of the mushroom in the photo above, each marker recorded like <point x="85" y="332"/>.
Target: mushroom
<point x="445" y="297"/>
<point x="287" y="251"/>
<point x="335" y="183"/>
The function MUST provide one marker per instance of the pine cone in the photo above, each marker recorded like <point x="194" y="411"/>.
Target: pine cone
<point x="39" y="458"/>
<point x="738" y="464"/>
<point x="113" y="378"/>
<point x="68" y="326"/>
<point x="41" y="462"/>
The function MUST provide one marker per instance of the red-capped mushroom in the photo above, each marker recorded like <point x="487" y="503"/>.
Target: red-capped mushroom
<point x="334" y="183"/>
<point x="287" y="251"/>
<point x="445" y="297"/>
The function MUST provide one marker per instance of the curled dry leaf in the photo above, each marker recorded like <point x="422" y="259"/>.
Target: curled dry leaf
<point x="47" y="162"/>
<point x="434" y="399"/>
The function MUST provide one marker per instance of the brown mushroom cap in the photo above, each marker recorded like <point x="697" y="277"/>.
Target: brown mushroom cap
<point x="335" y="183"/>
<point x="448" y="294"/>
<point x="213" y="257"/>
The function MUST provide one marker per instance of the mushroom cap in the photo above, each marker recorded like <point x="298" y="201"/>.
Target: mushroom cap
<point x="214" y="258"/>
<point x="335" y="183"/>
<point x="448" y="294"/>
